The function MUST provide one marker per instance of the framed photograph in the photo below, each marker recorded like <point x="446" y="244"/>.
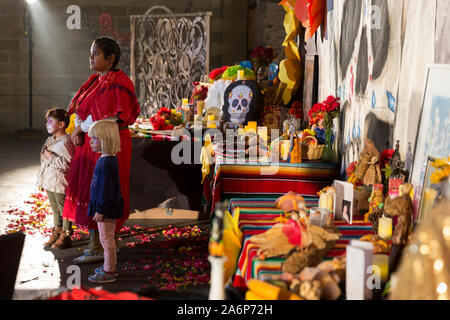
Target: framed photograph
<point x="429" y="194"/>
<point x="343" y="202"/>
<point x="433" y="133"/>
<point x="346" y="211"/>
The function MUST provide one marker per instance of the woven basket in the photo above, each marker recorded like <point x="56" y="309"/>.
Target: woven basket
<point x="311" y="151"/>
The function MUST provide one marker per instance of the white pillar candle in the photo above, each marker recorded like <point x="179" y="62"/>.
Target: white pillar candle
<point x="240" y="75"/>
<point x="216" y="290"/>
<point x="385" y="228"/>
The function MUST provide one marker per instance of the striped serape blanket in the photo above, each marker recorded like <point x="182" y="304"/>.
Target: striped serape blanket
<point x="262" y="179"/>
<point x="256" y="216"/>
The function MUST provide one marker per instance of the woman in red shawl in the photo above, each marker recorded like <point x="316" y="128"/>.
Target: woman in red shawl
<point x="108" y="94"/>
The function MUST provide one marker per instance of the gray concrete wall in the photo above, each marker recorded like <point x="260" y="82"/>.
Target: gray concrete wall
<point x="60" y="59"/>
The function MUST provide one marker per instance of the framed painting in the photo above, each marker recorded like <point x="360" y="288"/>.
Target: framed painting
<point x="433" y="133"/>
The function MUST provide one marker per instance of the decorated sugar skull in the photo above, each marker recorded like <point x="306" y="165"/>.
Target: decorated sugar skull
<point x="239" y="101"/>
<point x="243" y="102"/>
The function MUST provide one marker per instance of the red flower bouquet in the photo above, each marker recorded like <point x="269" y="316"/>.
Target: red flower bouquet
<point x="331" y="107"/>
<point x="296" y="110"/>
<point x="165" y="119"/>
<point x="262" y="56"/>
<point x="316" y="114"/>
<point x="200" y="92"/>
<point x="217" y="73"/>
<point x="351" y="168"/>
<point x="385" y="155"/>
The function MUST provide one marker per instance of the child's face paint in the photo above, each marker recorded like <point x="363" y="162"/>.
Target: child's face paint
<point x="96" y="145"/>
<point x="52" y="125"/>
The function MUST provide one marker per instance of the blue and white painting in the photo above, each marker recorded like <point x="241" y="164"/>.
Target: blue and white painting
<point x="434" y="140"/>
<point x="437" y="143"/>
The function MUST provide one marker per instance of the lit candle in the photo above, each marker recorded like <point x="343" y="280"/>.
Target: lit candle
<point x="385" y="228"/>
<point x="326" y="201"/>
<point x="322" y="201"/>
<point x="253" y="125"/>
<point x="330" y="202"/>
<point x="284" y="149"/>
<point x="240" y="75"/>
<point x="185" y="102"/>
<point x="262" y="132"/>
<point x="382" y="262"/>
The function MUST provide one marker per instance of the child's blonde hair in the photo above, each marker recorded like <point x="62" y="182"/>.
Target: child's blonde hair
<point x="108" y="133"/>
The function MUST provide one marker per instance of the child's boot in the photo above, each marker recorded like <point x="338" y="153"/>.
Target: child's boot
<point x="56" y="232"/>
<point x="64" y="241"/>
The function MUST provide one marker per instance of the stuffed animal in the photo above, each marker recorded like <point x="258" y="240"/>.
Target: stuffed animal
<point x="402" y="207"/>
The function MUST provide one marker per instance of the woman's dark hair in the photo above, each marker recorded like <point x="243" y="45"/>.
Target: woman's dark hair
<point x="109" y="46"/>
<point x="59" y="114"/>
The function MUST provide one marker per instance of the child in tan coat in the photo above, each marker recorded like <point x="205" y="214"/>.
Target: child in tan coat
<point x="56" y="155"/>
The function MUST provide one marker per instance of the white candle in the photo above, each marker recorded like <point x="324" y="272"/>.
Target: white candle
<point x="240" y="75"/>
<point x="216" y="290"/>
<point x="385" y="228"/>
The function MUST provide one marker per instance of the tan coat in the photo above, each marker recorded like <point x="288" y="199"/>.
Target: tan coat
<point x="54" y="173"/>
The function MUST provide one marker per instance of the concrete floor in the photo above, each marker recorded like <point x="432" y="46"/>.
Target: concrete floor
<point x="45" y="272"/>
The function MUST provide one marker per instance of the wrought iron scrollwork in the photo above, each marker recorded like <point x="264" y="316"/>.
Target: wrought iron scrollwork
<point x="170" y="52"/>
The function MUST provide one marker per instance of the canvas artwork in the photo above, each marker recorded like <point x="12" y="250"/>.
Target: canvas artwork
<point x="433" y="134"/>
<point x="360" y="63"/>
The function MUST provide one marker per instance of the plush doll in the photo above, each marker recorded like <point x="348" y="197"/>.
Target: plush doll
<point x="316" y="243"/>
<point x="368" y="167"/>
<point x="281" y="238"/>
<point x="291" y="202"/>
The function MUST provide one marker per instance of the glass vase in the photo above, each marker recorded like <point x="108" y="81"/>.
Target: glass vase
<point x="327" y="153"/>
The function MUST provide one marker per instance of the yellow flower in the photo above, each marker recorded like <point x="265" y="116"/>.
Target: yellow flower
<point x="441" y="174"/>
<point x="441" y="163"/>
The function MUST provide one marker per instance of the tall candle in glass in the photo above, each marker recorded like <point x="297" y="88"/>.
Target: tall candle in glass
<point x="385" y="228"/>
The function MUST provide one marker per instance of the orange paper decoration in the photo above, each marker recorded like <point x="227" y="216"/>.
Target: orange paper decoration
<point x="316" y="9"/>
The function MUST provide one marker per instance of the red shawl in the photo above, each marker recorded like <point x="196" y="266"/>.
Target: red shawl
<point x="106" y="96"/>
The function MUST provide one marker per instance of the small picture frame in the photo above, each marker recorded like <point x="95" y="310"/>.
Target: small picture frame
<point x="343" y="201"/>
<point x="429" y="194"/>
<point x="346" y="211"/>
